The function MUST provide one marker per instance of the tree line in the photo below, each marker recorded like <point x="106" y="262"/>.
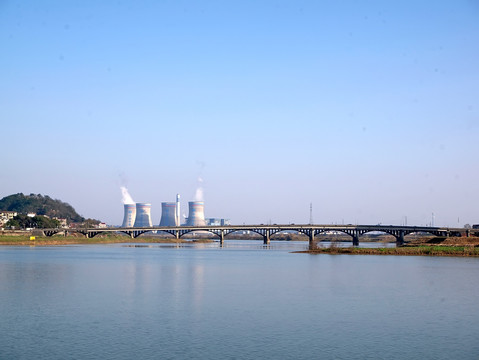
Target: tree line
<point x="36" y="222"/>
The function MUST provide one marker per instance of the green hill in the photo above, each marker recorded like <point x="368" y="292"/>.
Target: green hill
<point x="40" y="205"/>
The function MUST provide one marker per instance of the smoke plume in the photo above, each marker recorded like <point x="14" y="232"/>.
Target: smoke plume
<point x="199" y="190"/>
<point x="125" y="196"/>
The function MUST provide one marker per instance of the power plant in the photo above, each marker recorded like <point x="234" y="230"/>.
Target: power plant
<point x="143" y="215"/>
<point x="130" y="215"/>
<point x="169" y="214"/>
<point x="196" y="213"/>
<point x="139" y="214"/>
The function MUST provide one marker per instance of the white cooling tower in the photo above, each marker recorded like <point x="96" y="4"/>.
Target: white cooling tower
<point x="143" y="215"/>
<point x="130" y="215"/>
<point x="196" y="215"/>
<point x="168" y="214"/>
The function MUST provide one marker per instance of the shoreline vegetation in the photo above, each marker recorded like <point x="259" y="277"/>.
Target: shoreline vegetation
<point x="422" y="246"/>
<point x="22" y="237"/>
<point x="418" y="250"/>
<point x="415" y="246"/>
<point x="24" y="240"/>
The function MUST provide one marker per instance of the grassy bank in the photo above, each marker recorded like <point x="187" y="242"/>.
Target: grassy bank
<point x="409" y="251"/>
<point x="24" y="240"/>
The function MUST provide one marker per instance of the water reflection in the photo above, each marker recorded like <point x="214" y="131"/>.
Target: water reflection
<point x="242" y="300"/>
<point x="259" y="245"/>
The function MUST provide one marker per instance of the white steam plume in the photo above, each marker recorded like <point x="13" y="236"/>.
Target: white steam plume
<point x="199" y="190"/>
<point x="125" y="196"/>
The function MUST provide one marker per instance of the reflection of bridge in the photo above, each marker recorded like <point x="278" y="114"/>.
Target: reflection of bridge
<point x="355" y="231"/>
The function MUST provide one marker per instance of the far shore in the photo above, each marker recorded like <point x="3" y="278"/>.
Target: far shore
<point x="25" y="240"/>
<point x="422" y="250"/>
<point x="430" y="246"/>
<point x="424" y="246"/>
<point x="19" y="237"/>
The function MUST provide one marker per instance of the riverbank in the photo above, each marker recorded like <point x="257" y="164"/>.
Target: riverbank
<point x="421" y="250"/>
<point x="462" y="251"/>
<point x="435" y="246"/>
<point x="424" y="246"/>
<point x="24" y="240"/>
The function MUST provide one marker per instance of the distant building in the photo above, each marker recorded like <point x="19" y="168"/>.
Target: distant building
<point x="63" y="222"/>
<point x="8" y="214"/>
<point x="5" y="216"/>
<point x="217" y="222"/>
<point x="31" y="215"/>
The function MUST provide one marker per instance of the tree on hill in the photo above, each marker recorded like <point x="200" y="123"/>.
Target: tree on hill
<point x="35" y="222"/>
<point x="89" y="223"/>
<point x="40" y="205"/>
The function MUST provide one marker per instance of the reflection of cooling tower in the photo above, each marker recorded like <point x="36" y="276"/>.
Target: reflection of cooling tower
<point x="143" y="215"/>
<point x="196" y="216"/>
<point x="130" y="215"/>
<point x="168" y="214"/>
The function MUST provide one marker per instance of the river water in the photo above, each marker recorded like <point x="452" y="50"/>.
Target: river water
<point x="241" y="301"/>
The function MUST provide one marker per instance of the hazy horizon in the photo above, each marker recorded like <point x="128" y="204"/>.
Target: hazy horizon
<point x="366" y="109"/>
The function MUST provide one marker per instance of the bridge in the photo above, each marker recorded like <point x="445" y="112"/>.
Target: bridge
<point x="266" y="231"/>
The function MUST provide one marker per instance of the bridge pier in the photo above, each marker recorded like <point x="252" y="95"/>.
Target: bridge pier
<point x="400" y="239"/>
<point x="222" y="237"/>
<point x="312" y="244"/>
<point x="266" y="239"/>
<point x="356" y="239"/>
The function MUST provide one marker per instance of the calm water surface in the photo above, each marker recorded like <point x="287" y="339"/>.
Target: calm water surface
<point x="242" y="301"/>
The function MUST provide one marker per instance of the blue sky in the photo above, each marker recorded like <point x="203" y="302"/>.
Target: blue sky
<point x="367" y="109"/>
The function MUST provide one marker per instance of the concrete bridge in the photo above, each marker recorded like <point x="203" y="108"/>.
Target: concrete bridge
<point x="266" y="231"/>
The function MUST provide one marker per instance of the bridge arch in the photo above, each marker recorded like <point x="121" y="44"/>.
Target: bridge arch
<point x="170" y="232"/>
<point x="189" y="231"/>
<point x="50" y="233"/>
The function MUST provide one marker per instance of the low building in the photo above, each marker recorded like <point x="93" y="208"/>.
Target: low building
<point x="217" y="222"/>
<point x="5" y="216"/>
<point x="8" y="214"/>
<point x="63" y="222"/>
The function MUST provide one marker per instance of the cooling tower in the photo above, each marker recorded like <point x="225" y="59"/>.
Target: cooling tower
<point x="168" y="214"/>
<point x="130" y="215"/>
<point x="143" y="215"/>
<point x="196" y="215"/>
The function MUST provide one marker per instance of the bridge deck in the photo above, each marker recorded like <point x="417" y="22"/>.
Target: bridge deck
<point x="355" y="231"/>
